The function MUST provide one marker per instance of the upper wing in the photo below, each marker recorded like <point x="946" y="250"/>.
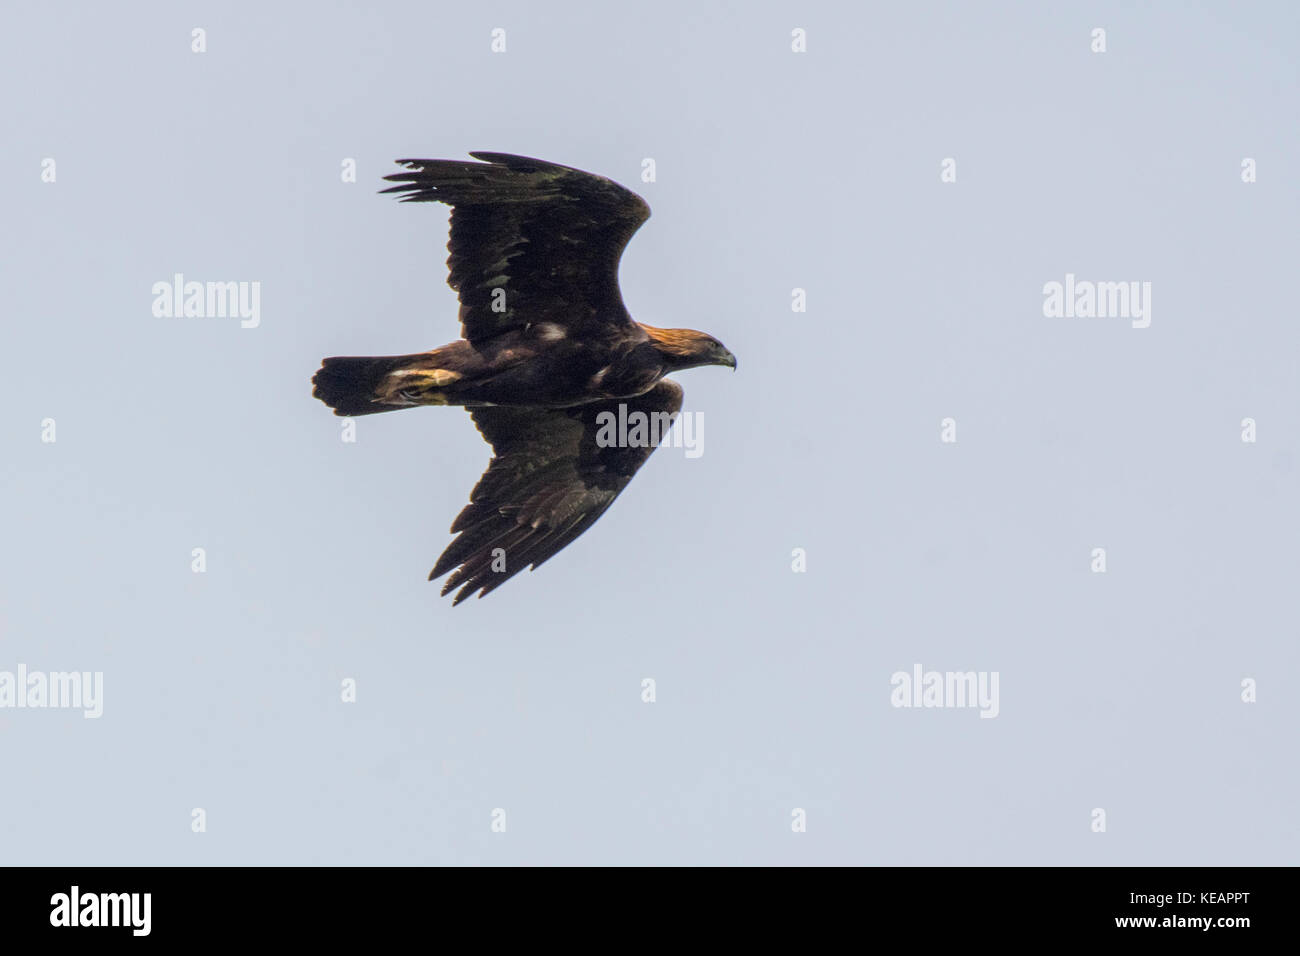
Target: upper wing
<point x="548" y="235"/>
<point x="548" y="482"/>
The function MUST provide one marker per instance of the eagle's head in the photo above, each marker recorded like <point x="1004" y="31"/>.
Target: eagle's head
<point x="687" y="348"/>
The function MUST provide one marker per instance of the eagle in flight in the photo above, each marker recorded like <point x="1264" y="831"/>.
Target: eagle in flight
<point x="548" y="353"/>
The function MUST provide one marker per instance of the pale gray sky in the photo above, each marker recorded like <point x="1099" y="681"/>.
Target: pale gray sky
<point x="775" y="171"/>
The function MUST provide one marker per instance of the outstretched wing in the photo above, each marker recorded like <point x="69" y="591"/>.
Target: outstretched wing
<point x="548" y="482"/>
<point x="548" y="236"/>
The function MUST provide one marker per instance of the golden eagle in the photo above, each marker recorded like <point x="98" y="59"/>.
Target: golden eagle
<point x="548" y="347"/>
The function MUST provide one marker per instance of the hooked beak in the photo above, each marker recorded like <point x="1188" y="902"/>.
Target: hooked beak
<point x="728" y="360"/>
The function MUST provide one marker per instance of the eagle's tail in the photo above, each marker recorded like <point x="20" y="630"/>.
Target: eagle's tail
<point x="354" y="385"/>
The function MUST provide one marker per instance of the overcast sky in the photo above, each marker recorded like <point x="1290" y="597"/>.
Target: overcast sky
<point x="774" y="689"/>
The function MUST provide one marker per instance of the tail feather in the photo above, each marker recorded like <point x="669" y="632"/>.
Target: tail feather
<point x="351" y="385"/>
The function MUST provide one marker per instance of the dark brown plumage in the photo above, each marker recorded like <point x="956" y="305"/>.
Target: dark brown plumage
<point x="548" y="347"/>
